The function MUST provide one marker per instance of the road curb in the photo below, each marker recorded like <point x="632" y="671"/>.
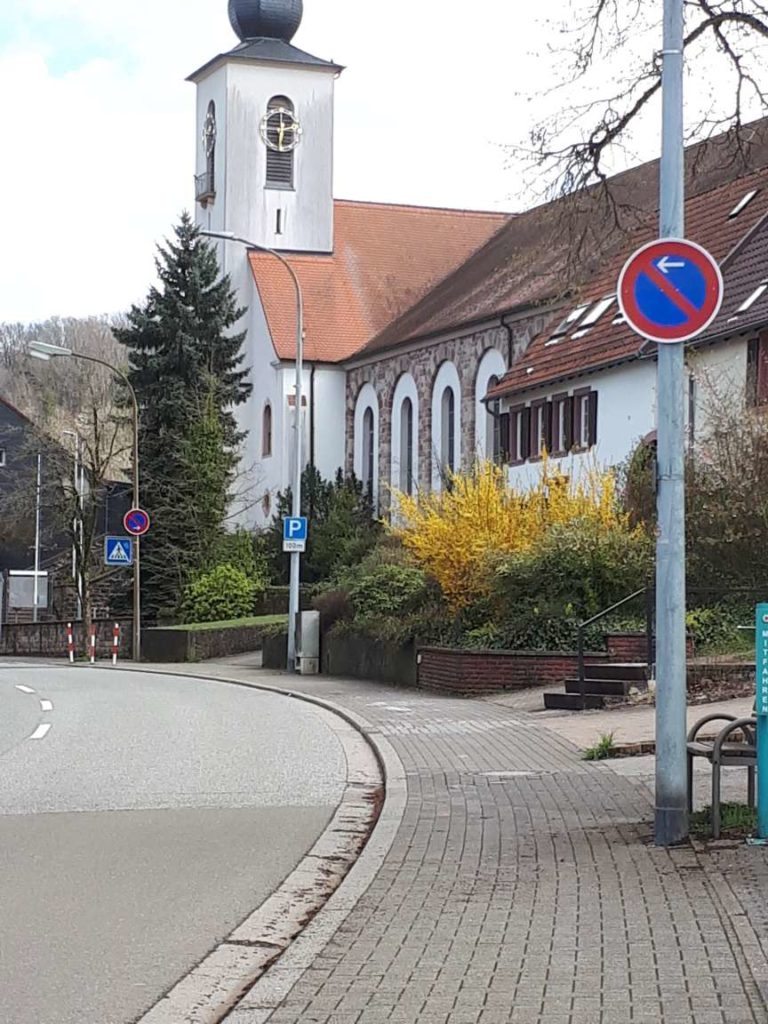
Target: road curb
<point x="249" y="974"/>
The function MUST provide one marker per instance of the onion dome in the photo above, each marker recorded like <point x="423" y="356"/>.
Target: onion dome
<point x="270" y="19"/>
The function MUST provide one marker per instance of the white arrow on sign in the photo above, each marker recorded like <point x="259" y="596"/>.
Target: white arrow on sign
<point x="666" y="263"/>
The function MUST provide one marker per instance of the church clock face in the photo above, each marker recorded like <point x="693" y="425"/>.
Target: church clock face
<point x="209" y="133"/>
<point x="280" y="130"/>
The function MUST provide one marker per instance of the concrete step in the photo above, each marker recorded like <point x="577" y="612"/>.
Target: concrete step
<point x="635" y="670"/>
<point x="606" y="687"/>
<point x="572" y="702"/>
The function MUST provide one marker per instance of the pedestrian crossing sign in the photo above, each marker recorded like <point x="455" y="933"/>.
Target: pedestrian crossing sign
<point x="118" y="551"/>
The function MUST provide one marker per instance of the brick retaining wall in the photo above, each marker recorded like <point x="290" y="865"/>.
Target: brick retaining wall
<point x="625" y="647"/>
<point x="476" y="672"/>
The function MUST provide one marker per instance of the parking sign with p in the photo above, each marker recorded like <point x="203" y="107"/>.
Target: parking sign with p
<point x="295" y="530"/>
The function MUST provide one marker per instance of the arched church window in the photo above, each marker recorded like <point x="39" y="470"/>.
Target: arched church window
<point x="406" y="447"/>
<point x="280" y="131"/>
<point x="448" y="430"/>
<point x="266" y="432"/>
<point x="369" y="447"/>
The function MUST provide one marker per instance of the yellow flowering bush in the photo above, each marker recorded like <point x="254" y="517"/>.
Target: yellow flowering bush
<point x="456" y="533"/>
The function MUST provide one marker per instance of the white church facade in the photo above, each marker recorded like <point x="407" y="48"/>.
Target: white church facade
<point x="264" y="172"/>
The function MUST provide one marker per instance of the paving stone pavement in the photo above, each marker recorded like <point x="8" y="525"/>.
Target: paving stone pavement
<point x="522" y="888"/>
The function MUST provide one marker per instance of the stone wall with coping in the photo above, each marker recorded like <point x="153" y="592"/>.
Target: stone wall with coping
<point x="49" y="639"/>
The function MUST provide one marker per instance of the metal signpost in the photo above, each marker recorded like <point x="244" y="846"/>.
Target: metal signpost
<point x="669" y="293"/>
<point x="761" y="711"/>
<point x="118" y="551"/>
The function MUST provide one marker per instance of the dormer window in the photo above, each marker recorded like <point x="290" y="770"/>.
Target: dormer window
<point x="280" y="131"/>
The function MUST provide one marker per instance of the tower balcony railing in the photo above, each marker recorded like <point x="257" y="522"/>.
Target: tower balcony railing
<point x="204" y="188"/>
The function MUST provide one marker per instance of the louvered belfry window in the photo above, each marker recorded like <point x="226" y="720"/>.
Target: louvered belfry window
<point x="279" y="164"/>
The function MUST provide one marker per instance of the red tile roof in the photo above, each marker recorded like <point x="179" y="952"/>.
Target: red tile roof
<point x="385" y="259"/>
<point x="608" y="343"/>
<point x="543" y="253"/>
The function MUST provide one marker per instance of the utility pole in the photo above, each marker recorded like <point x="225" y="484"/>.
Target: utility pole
<point x="671" y="762"/>
<point x="38" y="497"/>
<point x="294" y="594"/>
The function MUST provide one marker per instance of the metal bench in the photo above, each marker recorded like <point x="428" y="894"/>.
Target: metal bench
<point x="723" y="752"/>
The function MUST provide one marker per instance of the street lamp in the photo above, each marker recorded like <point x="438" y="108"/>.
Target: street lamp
<point x="293" y="600"/>
<point x="42" y="350"/>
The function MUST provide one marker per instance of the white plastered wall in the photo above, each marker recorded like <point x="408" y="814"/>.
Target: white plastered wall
<point x="626" y="413"/>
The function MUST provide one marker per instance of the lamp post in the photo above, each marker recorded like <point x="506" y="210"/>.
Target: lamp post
<point x="293" y="600"/>
<point x="44" y="351"/>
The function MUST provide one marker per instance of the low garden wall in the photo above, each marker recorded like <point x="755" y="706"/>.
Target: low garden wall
<point x="363" y="658"/>
<point x="627" y="646"/>
<point x="478" y="672"/>
<point x="49" y="639"/>
<point x="168" y="644"/>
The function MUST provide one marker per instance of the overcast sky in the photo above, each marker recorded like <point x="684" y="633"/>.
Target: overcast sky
<point x="98" y="150"/>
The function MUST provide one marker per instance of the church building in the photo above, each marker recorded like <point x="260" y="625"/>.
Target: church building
<point x="265" y="127"/>
<point x="436" y="337"/>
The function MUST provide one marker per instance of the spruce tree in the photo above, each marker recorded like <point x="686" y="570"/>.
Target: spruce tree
<point x="185" y="364"/>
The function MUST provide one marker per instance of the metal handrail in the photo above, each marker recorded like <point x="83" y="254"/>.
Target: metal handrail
<point x="648" y="591"/>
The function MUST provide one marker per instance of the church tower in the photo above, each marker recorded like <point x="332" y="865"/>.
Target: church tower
<point x="264" y="165"/>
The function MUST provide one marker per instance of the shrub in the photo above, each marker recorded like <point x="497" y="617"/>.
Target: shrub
<point x="219" y="595"/>
<point x="342" y="530"/>
<point x="241" y="550"/>
<point x="576" y="570"/>
<point x="387" y="589"/>
<point x="334" y="606"/>
<point x="715" y="630"/>
<point x="453" y="533"/>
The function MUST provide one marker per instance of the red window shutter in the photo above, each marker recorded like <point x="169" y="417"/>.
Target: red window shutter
<point x="569" y="432"/>
<point x="593" y="419"/>
<point x="525" y="434"/>
<point x="548" y="427"/>
<point x="505" y="426"/>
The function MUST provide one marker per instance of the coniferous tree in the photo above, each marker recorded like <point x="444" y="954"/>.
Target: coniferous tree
<point x="186" y="367"/>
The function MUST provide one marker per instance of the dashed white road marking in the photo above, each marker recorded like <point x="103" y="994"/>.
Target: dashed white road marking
<point x="24" y="689"/>
<point x="41" y="731"/>
<point x="46" y="705"/>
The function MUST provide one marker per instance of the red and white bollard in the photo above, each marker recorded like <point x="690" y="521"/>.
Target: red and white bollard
<point x="70" y="643"/>
<point x="115" y="642"/>
<point x="93" y="645"/>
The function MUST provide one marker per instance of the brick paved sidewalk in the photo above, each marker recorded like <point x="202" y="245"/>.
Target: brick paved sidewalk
<point x="522" y="889"/>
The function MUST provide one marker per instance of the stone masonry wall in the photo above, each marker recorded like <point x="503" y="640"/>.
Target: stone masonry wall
<point x="423" y="363"/>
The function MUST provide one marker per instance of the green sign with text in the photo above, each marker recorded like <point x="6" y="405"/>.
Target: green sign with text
<point x="761" y="659"/>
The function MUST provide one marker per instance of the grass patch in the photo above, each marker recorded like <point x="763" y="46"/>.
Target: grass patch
<point x="258" y="620"/>
<point x="735" y="820"/>
<point x="602" y="750"/>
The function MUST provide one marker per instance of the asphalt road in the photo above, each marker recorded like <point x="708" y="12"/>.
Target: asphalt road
<point x="142" y="818"/>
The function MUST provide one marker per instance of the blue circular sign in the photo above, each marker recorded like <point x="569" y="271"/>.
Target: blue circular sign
<point x="136" y="522"/>
<point x="670" y="290"/>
